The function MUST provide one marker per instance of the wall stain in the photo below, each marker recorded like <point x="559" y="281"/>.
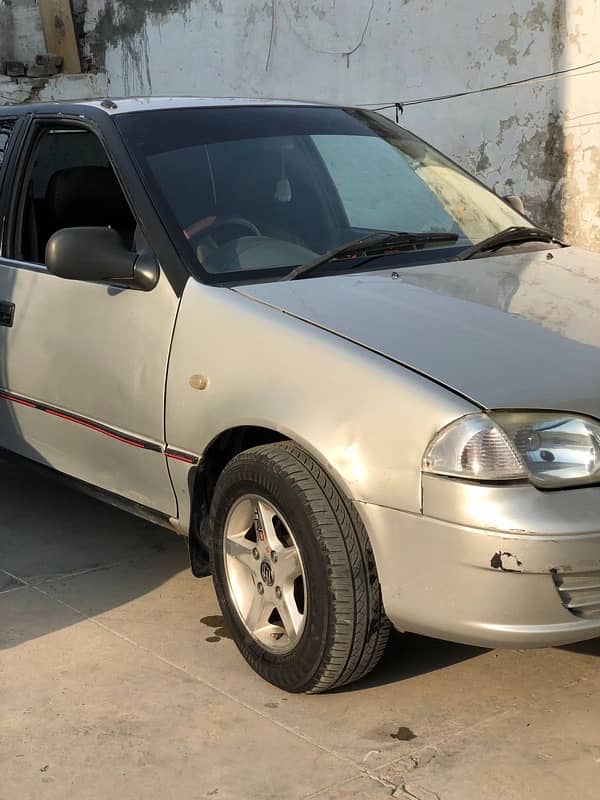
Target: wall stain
<point x="505" y="125"/>
<point x="135" y="64"/>
<point x="559" y="32"/>
<point x="253" y="12"/>
<point x="505" y="47"/>
<point x="301" y="9"/>
<point x="542" y="156"/>
<point x="527" y="50"/>
<point x="483" y="162"/>
<point x="125" y="24"/>
<point x="537" y="18"/>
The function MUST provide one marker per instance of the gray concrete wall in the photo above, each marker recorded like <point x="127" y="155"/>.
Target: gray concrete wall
<point x="21" y="35"/>
<point x="6" y="31"/>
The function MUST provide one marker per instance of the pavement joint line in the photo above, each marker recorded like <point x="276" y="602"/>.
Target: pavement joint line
<point x="59" y="576"/>
<point x="336" y="785"/>
<point x="361" y="771"/>
<point x="445" y="739"/>
<point x="13" y="589"/>
<point x="365" y="773"/>
<point x="15" y="578"/>
<point x="302" y="736"/>
<point x="515" y="711"/>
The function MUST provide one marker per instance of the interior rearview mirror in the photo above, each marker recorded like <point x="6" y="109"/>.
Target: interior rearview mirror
<point x="99" y="254"/>
<point x="514" y="201"/>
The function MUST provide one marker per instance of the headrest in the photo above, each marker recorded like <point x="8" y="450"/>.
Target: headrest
<point x="81" y="196"/>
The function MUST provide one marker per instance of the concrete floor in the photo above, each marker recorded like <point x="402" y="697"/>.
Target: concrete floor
<point x="117" y="680"/>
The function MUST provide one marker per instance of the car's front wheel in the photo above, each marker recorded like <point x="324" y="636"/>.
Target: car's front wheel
<point x="294" y="571"/>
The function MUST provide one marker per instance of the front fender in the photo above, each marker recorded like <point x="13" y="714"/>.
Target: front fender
<point x="364" y="418"/>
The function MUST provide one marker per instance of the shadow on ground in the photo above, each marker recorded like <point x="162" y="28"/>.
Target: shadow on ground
<point x="589" y="648"/>
<point x="408" y="655"/>
<point x="49" y="533"/>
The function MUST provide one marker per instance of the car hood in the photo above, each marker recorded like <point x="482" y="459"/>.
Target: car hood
<point x="510" y="331"/>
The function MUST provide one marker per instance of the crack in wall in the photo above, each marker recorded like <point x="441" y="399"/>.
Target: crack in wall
<point x="345" y="53"/>
<point x="273" y="33"/>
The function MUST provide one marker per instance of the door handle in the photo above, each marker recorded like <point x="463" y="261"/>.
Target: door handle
<point x="7" y="314"/>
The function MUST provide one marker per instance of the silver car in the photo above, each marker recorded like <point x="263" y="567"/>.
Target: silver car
<point x="366" y="388"/>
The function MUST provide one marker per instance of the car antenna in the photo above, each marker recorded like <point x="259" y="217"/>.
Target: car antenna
<point x="108" y="103"/>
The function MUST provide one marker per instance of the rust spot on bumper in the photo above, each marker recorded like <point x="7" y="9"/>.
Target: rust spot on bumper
<point x="506" y="562"/>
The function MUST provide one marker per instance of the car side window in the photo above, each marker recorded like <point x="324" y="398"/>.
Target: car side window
<point x="69" y="183"/>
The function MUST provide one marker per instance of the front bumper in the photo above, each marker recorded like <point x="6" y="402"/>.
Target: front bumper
<point x="512" y="567"/>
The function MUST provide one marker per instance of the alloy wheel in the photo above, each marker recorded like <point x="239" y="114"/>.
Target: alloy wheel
<point x="265" y="574"/>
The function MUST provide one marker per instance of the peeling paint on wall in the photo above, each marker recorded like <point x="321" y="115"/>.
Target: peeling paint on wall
<point x="119" y="22"/>
<point x="542" y="157"/>
<point x="59" y="87"/>
<point x="537" y="18"/>
<point x="125" y="25"/>
<point x="506" y="47"/>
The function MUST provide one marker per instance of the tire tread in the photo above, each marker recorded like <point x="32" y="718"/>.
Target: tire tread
<point x="360" y="627"/>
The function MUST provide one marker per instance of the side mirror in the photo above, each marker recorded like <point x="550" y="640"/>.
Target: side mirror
<point x="98" y="254"/>
<point x="514" y="201"/>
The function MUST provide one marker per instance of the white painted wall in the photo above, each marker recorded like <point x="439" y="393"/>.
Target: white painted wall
<point x="531" y="140"/>
<point x="540" y="140"/>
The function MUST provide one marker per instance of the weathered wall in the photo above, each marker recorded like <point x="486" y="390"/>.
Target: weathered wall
<point x="531" y="140"/>
<point x="59" y="87"/>
<point x="21" y="35"/>
<point x="539" y="140"/>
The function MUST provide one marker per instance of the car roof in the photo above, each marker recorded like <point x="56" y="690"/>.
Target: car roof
<point x="127" y="105"/>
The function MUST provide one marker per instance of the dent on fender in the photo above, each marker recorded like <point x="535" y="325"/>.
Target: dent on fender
<point x="326" y="402"/>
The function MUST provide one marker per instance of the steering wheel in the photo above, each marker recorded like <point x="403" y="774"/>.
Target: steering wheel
<point x="203" y="232"/>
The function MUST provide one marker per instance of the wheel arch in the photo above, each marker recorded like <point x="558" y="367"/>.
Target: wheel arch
<point x="225" y="446"/>
<point x="219" y="452"/>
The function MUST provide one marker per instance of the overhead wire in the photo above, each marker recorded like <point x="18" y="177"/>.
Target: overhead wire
<point x="400" y="105"/>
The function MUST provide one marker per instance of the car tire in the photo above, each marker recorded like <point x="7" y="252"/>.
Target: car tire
<point x="277" y="518"/>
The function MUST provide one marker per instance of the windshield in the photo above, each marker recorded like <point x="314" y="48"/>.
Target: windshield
<point x="254" y="191"/>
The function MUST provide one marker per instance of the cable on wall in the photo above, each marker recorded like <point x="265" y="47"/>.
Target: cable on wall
<point x="556" y="75"/>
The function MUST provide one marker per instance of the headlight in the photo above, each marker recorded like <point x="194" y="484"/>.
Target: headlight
<point x="549" y="449"/>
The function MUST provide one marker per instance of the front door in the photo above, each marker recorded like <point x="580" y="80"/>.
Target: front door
<point x="82" y="365"/>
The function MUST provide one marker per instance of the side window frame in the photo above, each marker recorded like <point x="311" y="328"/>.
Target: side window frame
<point x="5" y="152"/>
<point x="22" y="169"/>
<point x="10" y="157"/>
<point x="171" y="258"/>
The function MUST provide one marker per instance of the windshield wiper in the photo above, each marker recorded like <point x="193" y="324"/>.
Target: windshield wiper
<point x="372" y="246"/>
<point x="507" y="237"/>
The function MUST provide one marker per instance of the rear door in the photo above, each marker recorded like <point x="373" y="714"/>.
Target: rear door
<point x="83" y="367"/>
